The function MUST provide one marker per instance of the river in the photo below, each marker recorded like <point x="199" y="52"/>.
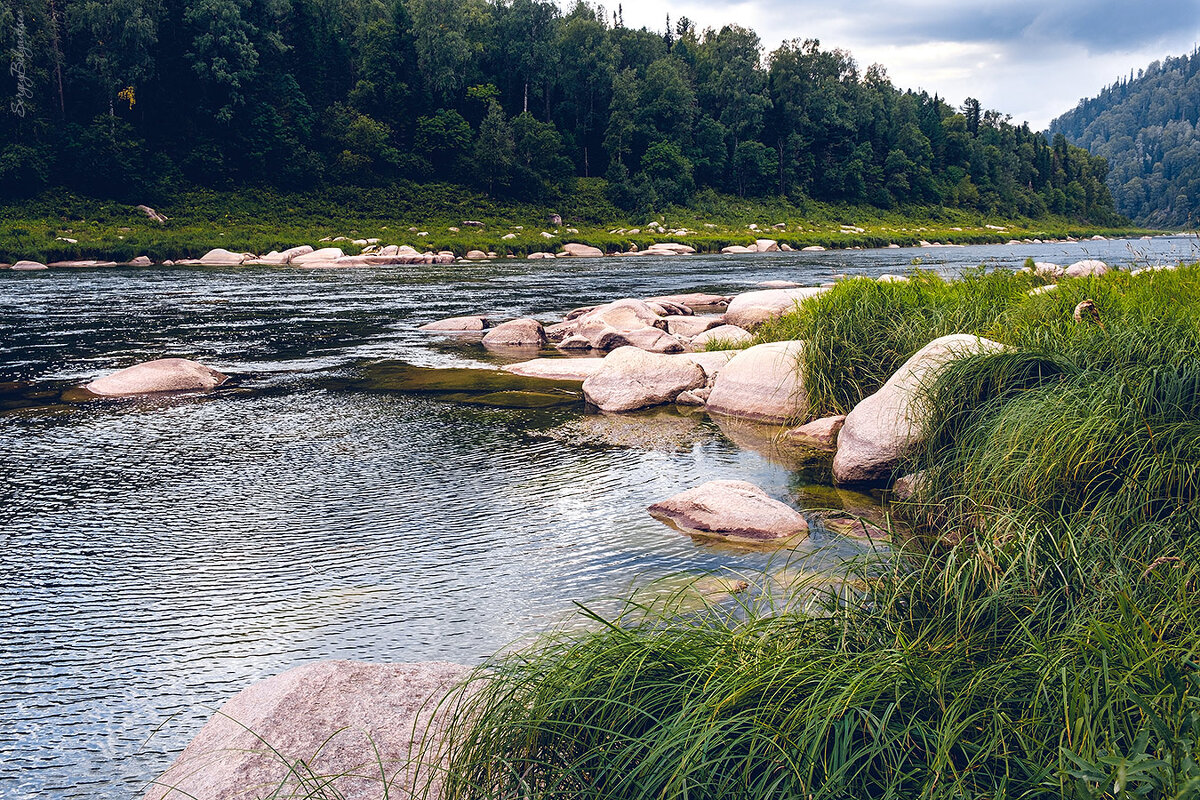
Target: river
<point x="159" y="554"/>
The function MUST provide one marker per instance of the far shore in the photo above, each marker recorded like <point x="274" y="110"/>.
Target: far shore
<point x="62" y="228"/>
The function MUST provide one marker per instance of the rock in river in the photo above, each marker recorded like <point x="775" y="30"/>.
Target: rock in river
<point x="557" y="369"/>
<point x="222" y="256"/>
<point x="582" y="250"/>
<point x="458" y="324"/>
<point x="762" y="383"/>
<point x="883" y="428"/>
<point x="163" y="375"/>
<point x="750" y="309"/>
<point x="730" y="336"/>
<point x="631" y="378"/>
<point x="516" y="333"/>
<point x="731" y="510"/>
<point x="820" y="434"/>
<point x="347" y="727"/>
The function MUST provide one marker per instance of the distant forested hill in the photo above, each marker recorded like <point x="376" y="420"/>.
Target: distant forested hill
<point x="1148" y="128"/>
<point x="133" y="98"/>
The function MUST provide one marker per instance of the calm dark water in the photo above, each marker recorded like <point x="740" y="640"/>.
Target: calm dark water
<point x="158" y="555"/>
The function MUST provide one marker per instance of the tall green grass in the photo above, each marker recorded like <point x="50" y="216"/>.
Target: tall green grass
<point x="1039" y="638"/>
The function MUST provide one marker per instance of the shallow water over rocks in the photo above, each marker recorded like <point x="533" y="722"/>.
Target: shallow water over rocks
<point x="158" y="554"/>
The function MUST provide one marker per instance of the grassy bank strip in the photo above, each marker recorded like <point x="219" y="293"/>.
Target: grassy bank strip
<point x="257" y="220"/>
<point x="1039" y="638"/>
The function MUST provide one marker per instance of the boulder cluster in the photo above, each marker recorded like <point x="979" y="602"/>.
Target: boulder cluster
<point x="658" y="351"/>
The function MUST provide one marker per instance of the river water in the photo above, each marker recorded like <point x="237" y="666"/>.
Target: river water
<point x="157" y="555"/>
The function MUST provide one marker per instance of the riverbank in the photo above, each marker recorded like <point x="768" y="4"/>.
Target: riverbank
<point x="1033" y="633"/>
<point x="60" y="226"/>
<point x="1038" y="637"/>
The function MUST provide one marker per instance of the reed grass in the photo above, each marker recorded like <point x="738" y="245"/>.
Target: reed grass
<point x="1038" y="638"/>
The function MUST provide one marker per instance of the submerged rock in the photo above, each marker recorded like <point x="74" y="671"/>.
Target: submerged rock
<point x="458" y="383"/>
<point x="820" y="434"/>
<point x="750" y="309"/>
<point x="630" y="378"/>
<point x="163" y="375"/>
<point x="355" y="728"/>
<point x="882" y="429"/>
<point x="557" y="369"/>
<point x="731" y="510"/>
<point x="762" y="383"/>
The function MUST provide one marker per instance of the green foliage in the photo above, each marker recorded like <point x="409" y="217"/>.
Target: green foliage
<point x="1145" y="128"/>
<point x="267" y="219"/>
<point x="225" y="93"/>
<point x="861" y="331"/>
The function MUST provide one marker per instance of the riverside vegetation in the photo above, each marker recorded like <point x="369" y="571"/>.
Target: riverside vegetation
<point x="140" y="100"/>
<point x="1035" y="636"/>
<point x="57" y="226"/>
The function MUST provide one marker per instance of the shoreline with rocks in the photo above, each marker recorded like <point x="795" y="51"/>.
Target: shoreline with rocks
<point x="651" y="351"/>
<point x="373" y="253"/>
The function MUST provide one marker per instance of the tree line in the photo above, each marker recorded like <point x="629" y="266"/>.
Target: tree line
<point x="518" y="97"/>
<point x="1148" y="127"/>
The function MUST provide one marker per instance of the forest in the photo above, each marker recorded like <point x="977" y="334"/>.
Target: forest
<point x="136" y="99"/>
<point x="1148" y="127"/>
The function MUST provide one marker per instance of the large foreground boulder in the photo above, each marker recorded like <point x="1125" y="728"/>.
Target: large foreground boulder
<point x="630" y="378"/>
<point x="731" y="510"/>
<point x="346" y="728"/>
<point x="762" y="383"/>
<point x="884" y="428"/>
<point x="750" y="309"/>
<point x="163" y="375"/>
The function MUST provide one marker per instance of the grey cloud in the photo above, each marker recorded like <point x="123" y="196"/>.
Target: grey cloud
<point x="1095" y="25"/>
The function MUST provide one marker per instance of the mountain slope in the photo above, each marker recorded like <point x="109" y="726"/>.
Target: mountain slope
<point x="1148" y="128"/>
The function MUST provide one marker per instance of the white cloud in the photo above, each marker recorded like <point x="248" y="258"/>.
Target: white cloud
<point x="1028" y="58"/>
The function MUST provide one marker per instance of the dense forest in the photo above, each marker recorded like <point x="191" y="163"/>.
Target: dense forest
<point x="135" y="98"/>
<point x="1148" y="127"/>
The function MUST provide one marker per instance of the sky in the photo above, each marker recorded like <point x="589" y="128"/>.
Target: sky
<point x="1033" y="59"/>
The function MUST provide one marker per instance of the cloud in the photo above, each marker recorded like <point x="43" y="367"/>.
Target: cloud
<point x="1029" y="58"/>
